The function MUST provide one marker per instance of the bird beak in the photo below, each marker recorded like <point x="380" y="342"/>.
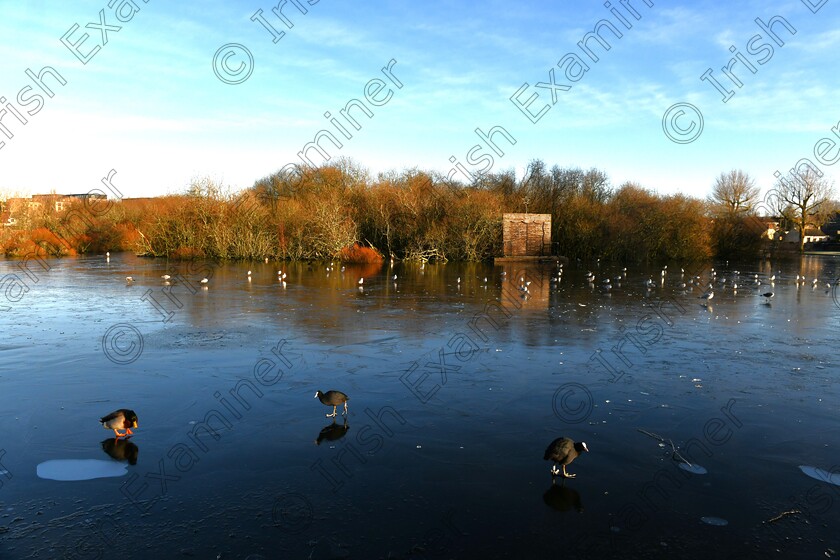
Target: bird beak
<point x="585" y="448"/>
<point x="316" y="396"/>
<point x="134" y="424"/>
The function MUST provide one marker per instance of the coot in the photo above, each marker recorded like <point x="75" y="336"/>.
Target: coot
<point x="563" y="451"/>
<point x="333" y="399"/>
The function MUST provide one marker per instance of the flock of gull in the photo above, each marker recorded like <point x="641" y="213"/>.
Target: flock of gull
<point x="733" y="281"/>
<point x="281" y="277"/>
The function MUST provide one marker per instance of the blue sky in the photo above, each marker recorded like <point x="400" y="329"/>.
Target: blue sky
<point x="149" y="105"/>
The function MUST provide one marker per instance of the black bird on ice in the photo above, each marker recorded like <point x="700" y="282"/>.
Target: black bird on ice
<point x="333" y="399"/>
<point x="563" y="451"/>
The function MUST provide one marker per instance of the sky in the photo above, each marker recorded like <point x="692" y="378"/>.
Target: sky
<point x="160" y="95"/>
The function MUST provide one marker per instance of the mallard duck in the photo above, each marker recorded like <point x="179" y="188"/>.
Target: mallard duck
<point x="333" y="399"/>
<point x="120" y="419"/>
<point x="563" y="451"/>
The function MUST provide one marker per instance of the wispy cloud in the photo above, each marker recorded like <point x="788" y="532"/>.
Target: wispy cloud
<point x="152" y="89"/>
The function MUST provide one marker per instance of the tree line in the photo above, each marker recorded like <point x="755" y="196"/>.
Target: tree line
<point x="320" y="212"/>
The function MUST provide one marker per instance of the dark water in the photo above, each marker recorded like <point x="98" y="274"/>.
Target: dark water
<point x="450" y="411"/>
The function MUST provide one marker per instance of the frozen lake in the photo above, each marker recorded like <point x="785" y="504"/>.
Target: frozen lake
<point x="456" y="388"/>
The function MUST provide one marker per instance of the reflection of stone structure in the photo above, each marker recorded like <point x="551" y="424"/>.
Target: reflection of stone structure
<point x="526" y="235"/>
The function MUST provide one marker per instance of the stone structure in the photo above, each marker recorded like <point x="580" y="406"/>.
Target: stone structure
<point x="526" y="235"/>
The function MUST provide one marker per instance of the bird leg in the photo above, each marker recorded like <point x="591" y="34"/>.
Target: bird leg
<point x="567" y="475"/>
<point x="345" y="409"/>
<point x="128" y="432"/>
<point x="118" y="434"/>
<point x="554" y="470"/>
<point x="333" y="413"/>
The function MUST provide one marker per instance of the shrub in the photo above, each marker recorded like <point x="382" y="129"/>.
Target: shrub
<point x="50" y="244"/>
<point x="356" y="254"/>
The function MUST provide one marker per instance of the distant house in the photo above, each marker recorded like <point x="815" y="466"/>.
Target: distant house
<point x="815" y="235"/>
<point x="832" y="227"/>
<point x="772" y="226"/>
<point x="777" y="232"/>
<point x="60" y="202"/>
<point x="5" y="217"/>
<point x="812" y="235"/>
<point x="14" y="207"/>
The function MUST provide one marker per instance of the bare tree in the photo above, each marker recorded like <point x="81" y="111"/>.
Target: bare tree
<point x="807" y="196"/>
<point x="734" y="192"/>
